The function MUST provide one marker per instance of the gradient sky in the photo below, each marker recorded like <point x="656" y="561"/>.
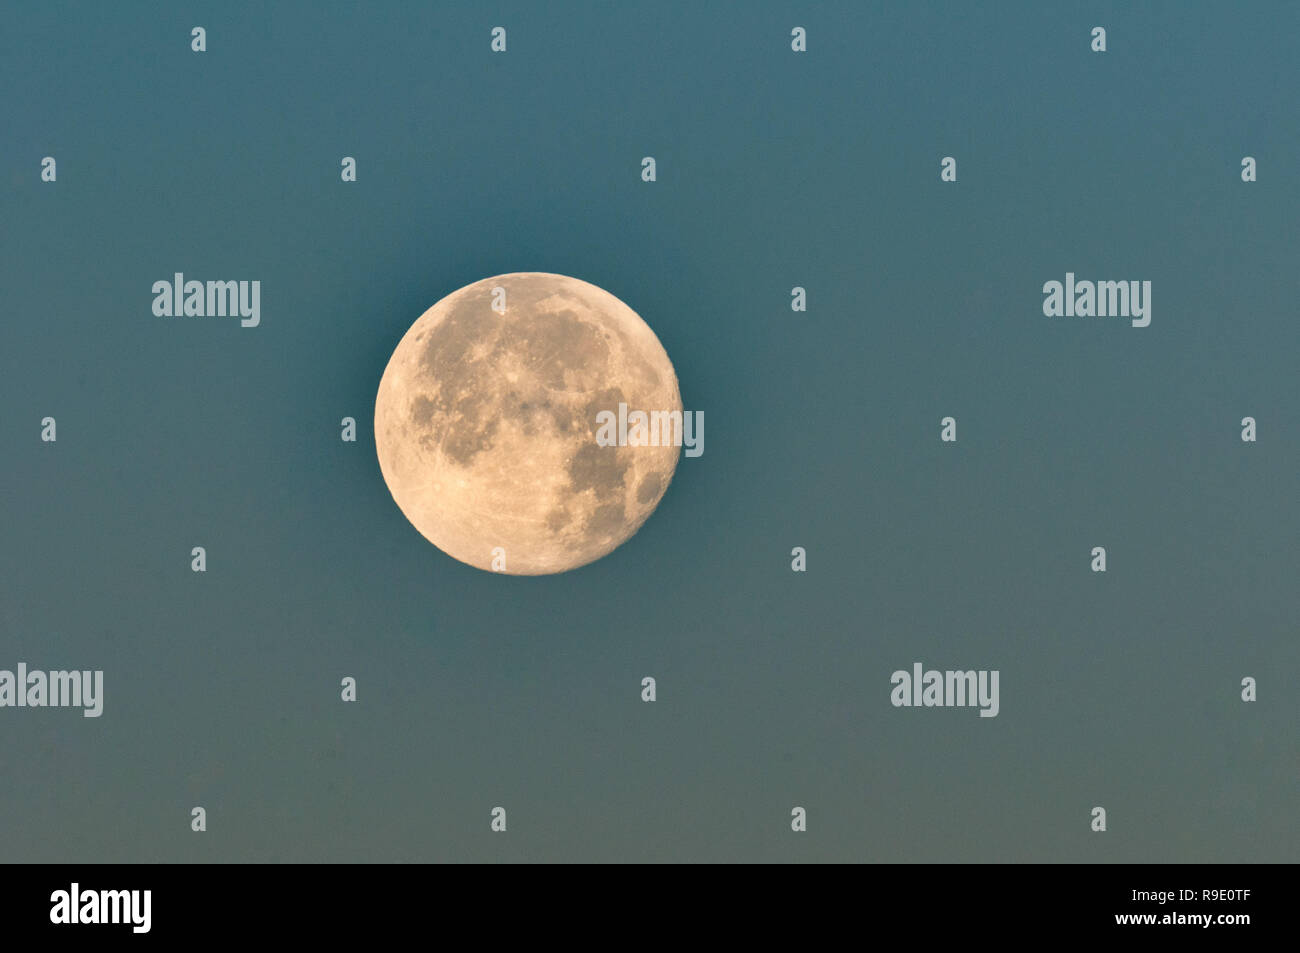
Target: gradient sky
<point x="774" y="170"/>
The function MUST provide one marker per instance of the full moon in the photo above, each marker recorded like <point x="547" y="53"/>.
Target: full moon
<point x="486" y="423"/>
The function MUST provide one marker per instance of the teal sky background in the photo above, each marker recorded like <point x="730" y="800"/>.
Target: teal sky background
<point x="775" y="169"/>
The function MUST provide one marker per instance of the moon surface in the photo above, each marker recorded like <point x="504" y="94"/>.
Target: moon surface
<point x="485" y="423"/>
